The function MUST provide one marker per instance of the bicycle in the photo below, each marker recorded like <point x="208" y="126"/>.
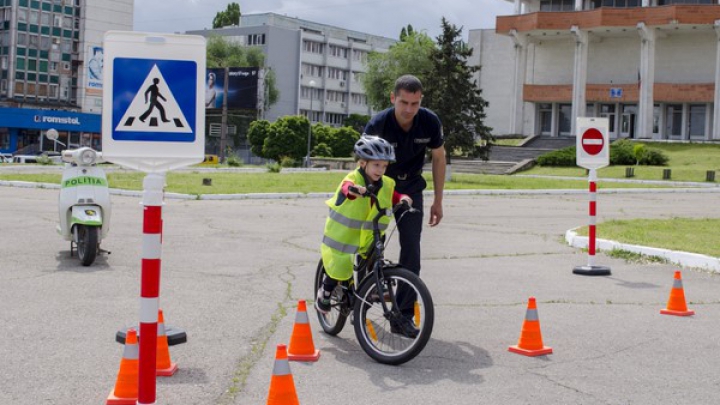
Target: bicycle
<point x="380" y="327"/>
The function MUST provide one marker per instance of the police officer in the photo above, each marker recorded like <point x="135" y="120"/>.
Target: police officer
<point x="412" y="130"/>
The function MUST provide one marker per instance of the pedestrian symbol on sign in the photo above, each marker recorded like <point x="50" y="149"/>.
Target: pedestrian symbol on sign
<point x="154" y="108"/>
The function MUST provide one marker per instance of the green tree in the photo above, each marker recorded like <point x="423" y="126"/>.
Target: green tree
<point x="257" y="133"/>
<point x="356" y="122"/>
<point x="287" y="137"/>
<point x="452" y="93"/>
<point x="409" y="56"/>
<point x="405" y="31"/>
<point x="231" y="16"/>
<point x="343" y="141"/>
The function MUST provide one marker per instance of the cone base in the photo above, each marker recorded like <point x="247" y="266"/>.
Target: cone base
<point x="304" y="357"/>
<point x="113" y="400"/>
<point x="677" y="313"/>
<point x="531" y="353"/>
<point x="167" y="372"/>
<point x="592" y="270"/>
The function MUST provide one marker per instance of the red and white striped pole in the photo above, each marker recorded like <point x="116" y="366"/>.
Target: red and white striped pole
<point x="591" y="269"/>
<point x="153" y="185"/>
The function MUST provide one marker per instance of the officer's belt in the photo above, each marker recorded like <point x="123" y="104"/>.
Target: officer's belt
<point x="405" y="176"/>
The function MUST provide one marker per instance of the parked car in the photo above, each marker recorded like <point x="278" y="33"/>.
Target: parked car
<point x="55" y="157"/>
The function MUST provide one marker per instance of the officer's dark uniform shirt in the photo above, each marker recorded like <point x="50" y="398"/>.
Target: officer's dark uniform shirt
<point x="410" y="147"/>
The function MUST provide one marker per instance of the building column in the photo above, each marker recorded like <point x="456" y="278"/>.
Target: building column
<point x="716" y="99"/>
<point x="518" y="7"/>
<point x="646" y="81"/>
<point x="516" y="108"/>
<point x="579" y="76"/>
<point x="578" y="5"/>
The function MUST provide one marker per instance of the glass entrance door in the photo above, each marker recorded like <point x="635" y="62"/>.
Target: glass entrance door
<point x="627" y="125"/>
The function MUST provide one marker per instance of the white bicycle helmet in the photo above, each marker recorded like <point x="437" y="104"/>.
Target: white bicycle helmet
<point x="370" y="147"/>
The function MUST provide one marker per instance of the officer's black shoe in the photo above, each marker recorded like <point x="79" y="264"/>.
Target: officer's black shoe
<point x="405" y="327"/>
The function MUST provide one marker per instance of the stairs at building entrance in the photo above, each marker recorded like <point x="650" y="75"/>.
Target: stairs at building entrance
<point x="510" y="159"/>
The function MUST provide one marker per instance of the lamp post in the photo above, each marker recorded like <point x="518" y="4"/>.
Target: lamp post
<point x="311" y="84"/>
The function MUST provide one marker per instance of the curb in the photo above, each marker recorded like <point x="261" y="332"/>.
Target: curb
<point x="684" y="259"/>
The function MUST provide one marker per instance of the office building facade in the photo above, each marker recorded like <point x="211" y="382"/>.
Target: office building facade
<point x="652" y="67"/>
<point x="317" y="66"/>
<point x="51" y="59"/>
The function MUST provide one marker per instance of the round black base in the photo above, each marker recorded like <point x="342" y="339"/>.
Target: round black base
<point x="175" y="335"/>
<point x="592" y="270"/>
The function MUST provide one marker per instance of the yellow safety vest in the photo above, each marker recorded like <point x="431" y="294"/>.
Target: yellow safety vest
<point x="348" y="228"/>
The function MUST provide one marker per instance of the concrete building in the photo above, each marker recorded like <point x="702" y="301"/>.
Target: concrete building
<point x="51" y="60"/>
<point x="652" y="67"/>
<point x="317" y="66"/>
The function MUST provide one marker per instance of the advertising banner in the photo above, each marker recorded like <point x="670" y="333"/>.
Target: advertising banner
<point x="242" y="87"/>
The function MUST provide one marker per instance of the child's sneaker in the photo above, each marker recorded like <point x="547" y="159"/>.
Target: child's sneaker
<point x="322" y="302"/>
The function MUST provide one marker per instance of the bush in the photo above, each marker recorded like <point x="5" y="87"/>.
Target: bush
<point x="274" y="167"/>
<point x="287" y="161"/>
<point x="44" y="160"/>
<point x="564" y="157"/>
<point x="233" y="161"/>
<point x="622" y="153"/>
<point x="322" y="150"/>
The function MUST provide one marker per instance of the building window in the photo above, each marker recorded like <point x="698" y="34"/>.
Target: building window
<point x="338" y="51"/>
<point x="697" y="121"/>
<point x="338" y="74"/>
<point x="557" y="5"/>
<point x="565" y="119"/>
<point x="306" y="92"/>
<point x="673" y="117"/>
<point x="256" y="39"/>
<point x="545" y="117"/>
<point x="359" y="55"/>
<point x="359" y="99"/>
<point x="616" y="3"/>
<point x="313" y="47"/>
<point x="669" y="2"/>
<point x="312" y="70"/>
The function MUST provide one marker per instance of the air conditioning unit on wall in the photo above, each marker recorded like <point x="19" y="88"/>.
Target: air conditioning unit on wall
<point x="342" y="84"/>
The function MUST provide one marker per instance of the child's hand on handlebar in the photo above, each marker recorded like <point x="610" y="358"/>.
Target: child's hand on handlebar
<point x="357" y="191"/>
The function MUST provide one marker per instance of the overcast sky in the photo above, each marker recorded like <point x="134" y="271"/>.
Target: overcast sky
<point x="378" y="17"/>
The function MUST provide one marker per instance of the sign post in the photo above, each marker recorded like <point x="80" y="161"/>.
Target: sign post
<point x="593" y="152"/>
<point x="153" y="121"/>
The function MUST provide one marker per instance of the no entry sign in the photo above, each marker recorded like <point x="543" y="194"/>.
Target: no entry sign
<point x="593" y="149"/>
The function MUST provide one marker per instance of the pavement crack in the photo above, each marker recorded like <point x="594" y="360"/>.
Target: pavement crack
<point x="246" y="363"/>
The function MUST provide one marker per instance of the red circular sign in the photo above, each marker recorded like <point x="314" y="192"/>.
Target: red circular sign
<point x="592" y="141"/>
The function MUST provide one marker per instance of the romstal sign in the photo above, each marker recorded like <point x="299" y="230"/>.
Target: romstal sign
<point x="593" y="152"/>
<point x="153" y="121"/>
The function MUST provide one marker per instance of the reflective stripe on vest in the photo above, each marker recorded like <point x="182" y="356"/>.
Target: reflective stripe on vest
<point x="342" y="247"/>
<point x="354" y="223"/>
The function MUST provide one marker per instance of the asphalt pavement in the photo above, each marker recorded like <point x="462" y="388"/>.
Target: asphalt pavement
<point x="233" y="271"/>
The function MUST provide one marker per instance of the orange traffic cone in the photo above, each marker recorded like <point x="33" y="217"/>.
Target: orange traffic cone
<point x="282" y="386"/>
<point x="163" y="365"/>
<point x="530" y="342"/>
<point x="126" y="387"/>
<point x="301" y="346"/>
<point x="676" y="304"/>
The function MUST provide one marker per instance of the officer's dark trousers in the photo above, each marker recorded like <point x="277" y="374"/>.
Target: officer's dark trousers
<point x="409" y="229"/>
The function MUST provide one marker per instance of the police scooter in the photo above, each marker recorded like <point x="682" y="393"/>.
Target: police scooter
<point x="84" y="203"/>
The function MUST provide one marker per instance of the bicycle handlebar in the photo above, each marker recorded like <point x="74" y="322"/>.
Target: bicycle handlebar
<point x="371" y="194"/>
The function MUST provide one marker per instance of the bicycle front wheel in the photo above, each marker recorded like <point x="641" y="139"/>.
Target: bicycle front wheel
<point x="334" y="321"/>
<point x="394" y="338"/>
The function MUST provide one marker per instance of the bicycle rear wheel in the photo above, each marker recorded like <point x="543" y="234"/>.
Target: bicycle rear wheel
<point x="374" y="329"/>
<point x="334" y="321"/>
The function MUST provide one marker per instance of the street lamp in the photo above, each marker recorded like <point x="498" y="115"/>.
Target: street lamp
<point x="311" y="84"/>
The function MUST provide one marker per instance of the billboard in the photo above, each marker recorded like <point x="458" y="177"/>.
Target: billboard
<point x="95" y="60"/>
<point x="242" y="87"/>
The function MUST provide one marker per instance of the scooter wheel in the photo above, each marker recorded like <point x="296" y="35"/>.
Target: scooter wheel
<point x="87" y="244"/>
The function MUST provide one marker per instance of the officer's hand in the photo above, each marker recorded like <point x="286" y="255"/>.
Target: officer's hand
<point x="436" y="214"/>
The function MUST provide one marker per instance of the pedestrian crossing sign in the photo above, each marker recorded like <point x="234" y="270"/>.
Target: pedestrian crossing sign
<point x="153" y="100"/>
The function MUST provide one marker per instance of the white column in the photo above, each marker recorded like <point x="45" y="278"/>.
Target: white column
<point x="579" y="75"/>
<point x="518" y="7"/>
<point x="578" y="5"/>
<point x="716" y="98"/>
<point x="520" y="69"/>
<point x="647" y="80"/>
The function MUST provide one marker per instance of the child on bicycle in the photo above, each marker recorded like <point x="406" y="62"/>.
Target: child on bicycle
<point x="348" y="228"/>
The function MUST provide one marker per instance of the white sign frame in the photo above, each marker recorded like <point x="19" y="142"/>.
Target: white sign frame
<point x="602" y="158"/>
<point x="162" y="150"/>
